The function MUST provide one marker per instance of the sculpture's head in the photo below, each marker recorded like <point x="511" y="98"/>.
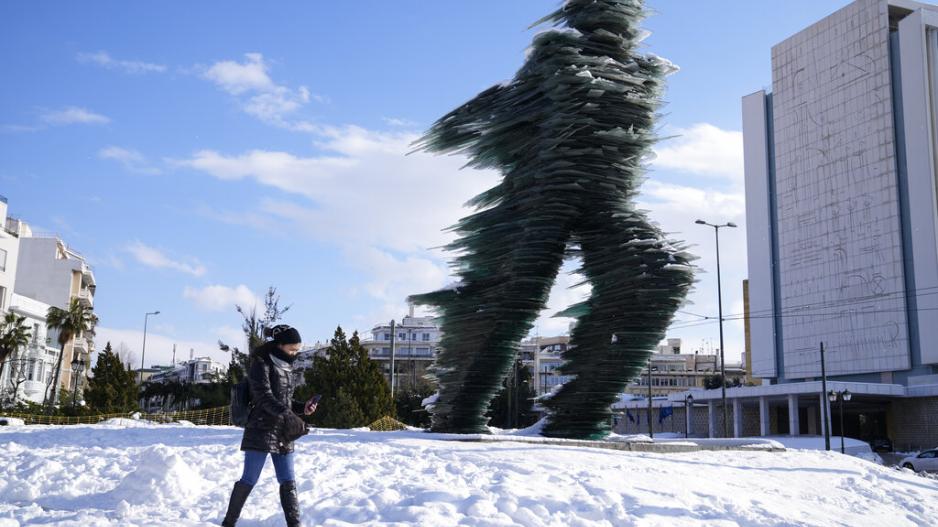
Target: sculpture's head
<point x="616" y="16"/>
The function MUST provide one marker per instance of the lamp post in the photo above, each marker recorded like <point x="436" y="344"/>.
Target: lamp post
<point x="651" y="431"/>
<point x="393" y="335"/>
<point x="716" y="232"/>
<point x="843" y="396"/>
<point x="825" y="408"/>
<point x="78" y="366"/>
<point x="143" y="353"/>
<point x="688" y="407"/>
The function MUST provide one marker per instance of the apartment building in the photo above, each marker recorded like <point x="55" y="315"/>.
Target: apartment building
<point x="39" y="271"/>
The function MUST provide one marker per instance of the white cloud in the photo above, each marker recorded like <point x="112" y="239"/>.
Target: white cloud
<point x="159" y="346"/>
<point x="221" y="298"/>
<point x="153" y="257"/>
<point x="675" y="208"/>
<point x="104" y="59"/>
<point x="72" y="115"/>
<point x="399" y="122"/>
<point x="232" y="336"/>
<point x="130" y="159"/>
<point x="365" y="189"/>
<point x="386" y="209"/>
<point x="703" y="149"/>
<point x="258" y="94"/>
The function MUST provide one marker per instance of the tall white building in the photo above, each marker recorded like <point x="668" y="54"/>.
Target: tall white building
<point x="842" y="217"/>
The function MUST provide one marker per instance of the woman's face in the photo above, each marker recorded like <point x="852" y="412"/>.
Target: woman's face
<point x="291" y="349"/>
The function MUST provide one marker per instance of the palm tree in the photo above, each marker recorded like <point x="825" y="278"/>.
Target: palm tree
<point x="70" y="323"/>
<point x="14" y="334"/>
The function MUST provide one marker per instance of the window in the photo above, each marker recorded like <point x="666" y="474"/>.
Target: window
<point x="387" y="336"/>
<point x="3" y="260"/>
<point x="426" y="337"/>
<point x="402" y="336"/>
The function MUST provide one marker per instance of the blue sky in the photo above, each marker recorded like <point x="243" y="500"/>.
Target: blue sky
<point x="197" y="152"/>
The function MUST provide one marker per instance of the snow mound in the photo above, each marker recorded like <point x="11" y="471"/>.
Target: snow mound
<point x="160" y="475"/>
<point x="11" y="421"/>
<point x="127" y="423"/>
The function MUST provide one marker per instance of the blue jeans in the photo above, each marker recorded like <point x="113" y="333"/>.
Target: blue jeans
<point x="254" y="463"/>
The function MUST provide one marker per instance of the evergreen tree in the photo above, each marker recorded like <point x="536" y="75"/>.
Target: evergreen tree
<point x="112" y="387"/>
<point x="513" y="406"/>
<point x="409" y="404"/>
<point x="354" y="391"/>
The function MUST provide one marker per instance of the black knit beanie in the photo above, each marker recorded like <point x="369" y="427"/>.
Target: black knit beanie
<point x="284" y="334"/>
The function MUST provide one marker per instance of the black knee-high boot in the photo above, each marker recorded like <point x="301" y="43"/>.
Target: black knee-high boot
<point x="238" y="496"/>
<point x="290" y="503"/>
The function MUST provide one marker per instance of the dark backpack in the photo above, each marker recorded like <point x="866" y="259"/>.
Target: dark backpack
<point x="240" y="403"/>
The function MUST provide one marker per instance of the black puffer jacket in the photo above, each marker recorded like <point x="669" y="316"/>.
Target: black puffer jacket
<point x="271" y="382"/>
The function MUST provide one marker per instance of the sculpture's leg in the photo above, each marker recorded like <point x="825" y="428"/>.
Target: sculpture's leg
<point x="512" y="258"/>
<point x="639" y="280"/>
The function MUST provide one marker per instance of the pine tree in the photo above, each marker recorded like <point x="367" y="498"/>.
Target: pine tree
<point x="354" y="391"/>
<point x="112" y="387"/>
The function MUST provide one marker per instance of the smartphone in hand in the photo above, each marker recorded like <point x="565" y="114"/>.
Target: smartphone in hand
<point x="311" y="404"/>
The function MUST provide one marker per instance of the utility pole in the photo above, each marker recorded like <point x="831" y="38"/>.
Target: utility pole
<point x="825" y="422"/>
<point x="393" y="337"/>
<point x="174" y="355"/>
<point x="651" y="427"/>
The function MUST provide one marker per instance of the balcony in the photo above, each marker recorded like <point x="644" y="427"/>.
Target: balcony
<point x="87" y="275"/>
<point x="79" y="345"/>
<point x="86" y="298"/>
<point x="33" y="388"/>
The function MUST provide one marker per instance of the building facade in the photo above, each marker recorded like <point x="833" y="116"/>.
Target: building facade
<point x="39" y="271"/>
<point x="842" y="216"/>
<point x="415" y="344"/>
<point x="29" y="370"/>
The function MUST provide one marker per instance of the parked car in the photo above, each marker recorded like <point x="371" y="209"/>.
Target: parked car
<point x="926" y="461"/>
<point x="881" y="444"/>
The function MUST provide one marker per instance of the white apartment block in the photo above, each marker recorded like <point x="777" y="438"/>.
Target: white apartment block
<point x="38" y="271"/>
<point x="199" y="370"/>
<point x="414" y="347"/>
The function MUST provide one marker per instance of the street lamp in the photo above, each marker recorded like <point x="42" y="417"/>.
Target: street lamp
<point x="688" y="407"/>
<point x="716" y="232"/>
<point x="143" y="353"/>
<point x="651" y="431"/>
<point x="843" y="396"/>
<point x="78" y="366"/>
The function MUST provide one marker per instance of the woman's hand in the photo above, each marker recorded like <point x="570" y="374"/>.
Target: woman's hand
<point x="310" y="407"/>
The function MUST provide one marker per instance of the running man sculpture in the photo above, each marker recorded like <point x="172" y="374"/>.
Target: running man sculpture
<point x="570" y="134"/>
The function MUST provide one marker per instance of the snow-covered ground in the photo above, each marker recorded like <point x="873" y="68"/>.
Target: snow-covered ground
<point x="181" y="475"/>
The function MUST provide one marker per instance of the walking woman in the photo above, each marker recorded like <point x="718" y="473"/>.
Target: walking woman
<point x="272" y="424"/>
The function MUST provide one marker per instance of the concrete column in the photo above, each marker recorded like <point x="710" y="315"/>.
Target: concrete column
<point x="793" y="415"/>
<point x="825" y="414"/>
<point x="711" y="418"/>
<point x="814" y="421"/>
<point x="737" y="417"/>
<point x="689" y="418"/>
<point x="764" y="427"/>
